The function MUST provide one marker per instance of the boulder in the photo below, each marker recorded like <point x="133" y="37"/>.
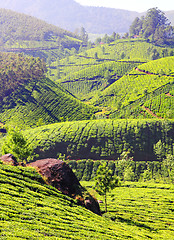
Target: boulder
<point x="58" y="174"/>
<point x="9" y="159"/>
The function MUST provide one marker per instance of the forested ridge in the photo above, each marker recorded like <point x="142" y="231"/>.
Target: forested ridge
<point x="18" y="26"/>
<point x="17" y="70"/>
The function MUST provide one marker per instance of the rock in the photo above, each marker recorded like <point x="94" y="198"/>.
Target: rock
<point x="58" y="174"/>
<point x="92" y="204"/>
<point x="9" y="159"/>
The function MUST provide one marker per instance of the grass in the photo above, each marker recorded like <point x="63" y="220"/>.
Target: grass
<point x="141" y="206"/>
<point x="30" y="209"/>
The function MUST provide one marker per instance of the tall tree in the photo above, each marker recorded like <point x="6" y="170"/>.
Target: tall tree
<point x="84" y="35"/>
<point x="154" y="19"/>
<point x="154" y="26"/>
<point x="16" y="144"/>
<point x="136" y="26"/>
<point x="104" y="181"/>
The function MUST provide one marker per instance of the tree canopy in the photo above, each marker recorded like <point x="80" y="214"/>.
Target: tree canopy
<point x="154" y="26"/>
<point x="105" y="181"/>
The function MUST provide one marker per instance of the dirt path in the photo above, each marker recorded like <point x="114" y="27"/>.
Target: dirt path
<point x="150" y="73"/>
<point x="150" y="112"/>
<point x="169" y="95"/>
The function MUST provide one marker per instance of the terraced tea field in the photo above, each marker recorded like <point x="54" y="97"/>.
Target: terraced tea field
<point x="141" y="206"/>
<point x="30" y="209"/>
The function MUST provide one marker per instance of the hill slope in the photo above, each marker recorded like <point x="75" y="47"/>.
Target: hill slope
<point x="92" y="71"/>
<point x="31" y="209"/>
<point x="29" y="98"/>
<point x="23" y="33"/>
<point x="148" y="83"/>
<point x="102" y="139"/>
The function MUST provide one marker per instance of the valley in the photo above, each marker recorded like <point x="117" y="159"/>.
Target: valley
<point x="86" y="104"/>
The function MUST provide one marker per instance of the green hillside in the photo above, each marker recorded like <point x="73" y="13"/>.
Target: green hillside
<point x="88" y="82"/>
<point x="30" y="209"/>
<point x="88" y="73"/>
<point x="136" y="50"/>
<point x="102" y="139"/>
<point x="28" y="98"/>
<point x="142" y="87"/>
<point x="129" y="49"/>
<point x="23" y="33"/>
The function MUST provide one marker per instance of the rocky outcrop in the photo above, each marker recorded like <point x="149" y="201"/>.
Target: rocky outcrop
<point x="9" y="159"/>
<point x="58" y="174"/>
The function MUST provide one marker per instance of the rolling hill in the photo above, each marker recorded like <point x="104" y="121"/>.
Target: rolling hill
<point x="31" y="209"/>
<point x="23" y="33"/>
<point x="95" y="79"/>
<point x="152" y="82"/>
<point x="102" y="139"/>
<point x="29" y="98"/>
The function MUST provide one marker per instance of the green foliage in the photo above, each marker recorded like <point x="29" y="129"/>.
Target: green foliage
<point x="154" y="26"/>
<point x="16" y="144"/>
<point x="168" y="167"/>
<point x="87" y="82"/>
<point x="17" y="70"/>
<point x="145" y="85"/>
<point x="104" y="181"/>
<point x="28" y="97"/>
<point x="31" y="209"/>
<point x="102" y="139"/>
<point x="144" y="206"/>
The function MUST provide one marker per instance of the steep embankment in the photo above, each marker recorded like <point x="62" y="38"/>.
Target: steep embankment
<point x="31" y="209"/>
<point x="28" y="98"/>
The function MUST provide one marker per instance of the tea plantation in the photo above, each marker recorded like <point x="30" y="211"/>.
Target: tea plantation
<point x="145" y="206"/>
<point x="30" y="209"/>
<point x="102" y="139"/>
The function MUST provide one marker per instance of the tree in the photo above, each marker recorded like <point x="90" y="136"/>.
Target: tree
<point x="155" y="19"/>
<point x="154" y="26"/>
<point x="168" y="164"/>
<point x="136" y="26"/>
<point x="96" y="55"/>
<point x="16" y="144"/>
<point x="159" y="149"/>
<point x="104" y="181"/>
<point x="84" y="35"/>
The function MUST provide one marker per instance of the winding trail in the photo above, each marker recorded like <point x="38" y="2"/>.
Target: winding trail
<point x="150" y="73"/>
<point x="150" y="112"/>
